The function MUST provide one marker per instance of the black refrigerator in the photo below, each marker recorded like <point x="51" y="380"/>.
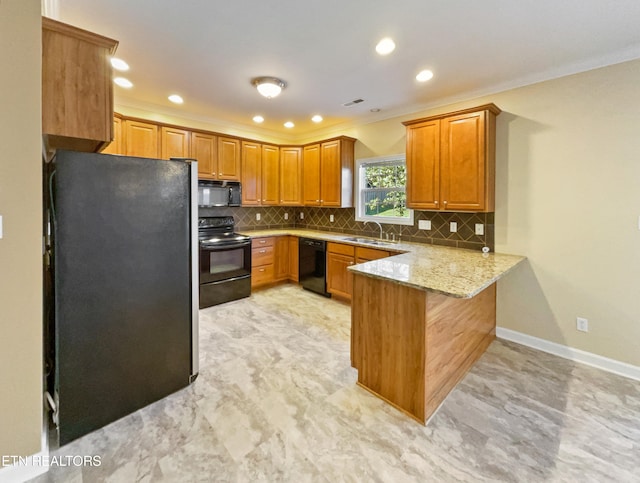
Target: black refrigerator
<point x="123" y="324"/>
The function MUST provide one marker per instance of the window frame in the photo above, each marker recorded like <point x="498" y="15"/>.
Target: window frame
<point x="359" y="186"/>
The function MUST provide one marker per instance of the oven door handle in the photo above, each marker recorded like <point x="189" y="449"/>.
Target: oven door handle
<point x="213" y="247"/>
<point x="242" y="277"/>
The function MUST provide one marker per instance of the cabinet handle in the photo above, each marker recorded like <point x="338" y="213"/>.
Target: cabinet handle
<point x="263" y="251"/>
<point x="263" y="241"/>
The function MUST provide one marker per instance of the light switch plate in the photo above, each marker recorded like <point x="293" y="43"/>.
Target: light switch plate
<point x="257" y="216"/>
<point x="453" y="227"/>
<point x="479" y="229"/>
<point x="301" y="215"/>
<point x="424" y="224"/>
<point x="331" y="219"/>
<point x="286" y="216"/>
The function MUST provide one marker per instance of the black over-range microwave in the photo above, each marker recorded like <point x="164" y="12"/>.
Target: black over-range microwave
<point x="219" y="193"/>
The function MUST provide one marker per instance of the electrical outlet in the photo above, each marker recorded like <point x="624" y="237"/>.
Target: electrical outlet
<point x="257" y="216"/>
<point x="301" y="215"/>
<point x="331" y="219"/>
<point x="286" y="216"/>
<point x="582" y="324"/>
<point x="453" y="227"/>
<point x="424" y="224"/>
<point x="479" y="229"/>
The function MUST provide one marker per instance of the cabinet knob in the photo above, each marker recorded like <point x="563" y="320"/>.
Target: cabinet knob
<point x="219" y="174"/>
<point x="263" y="251"/>
<point x="436" y="202"/>
<point x="261" y="270"/>
<point x="445" y="202"/>
<point x="321" y="201"/>
<point x="263" y="241"/>
<point x="317" y="201"/>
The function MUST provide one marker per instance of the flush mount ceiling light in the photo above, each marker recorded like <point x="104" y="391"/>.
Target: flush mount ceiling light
<point x="176" y="99"/>
<point x="317" y="118"/>
<point x="269" y="86"/>
<point x="385" y="46"/>
<point x="289" y="124"/>
<point x="258" y="119"/>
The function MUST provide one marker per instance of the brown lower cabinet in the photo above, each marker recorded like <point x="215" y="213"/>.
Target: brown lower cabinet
<point x="275" y="259"/>
<point x="339" y="257"/>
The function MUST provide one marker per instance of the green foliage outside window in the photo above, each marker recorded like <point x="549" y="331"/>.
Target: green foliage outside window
<point x="384" y="192"/>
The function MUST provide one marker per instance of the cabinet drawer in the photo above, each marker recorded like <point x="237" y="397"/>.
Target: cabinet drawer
<point x="261" y="256"/>
<point x="368" y="254"/>
<point x="262" y="242"/>
<point x="262" y="275"/>
<point x="341" y="249"/>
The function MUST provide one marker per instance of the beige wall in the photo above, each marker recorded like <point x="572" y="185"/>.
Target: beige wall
<point x="567" y="197"/>
<point x="21" y="246"/>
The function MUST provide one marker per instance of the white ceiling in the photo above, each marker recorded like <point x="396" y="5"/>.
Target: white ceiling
<point x="208" y="51"/>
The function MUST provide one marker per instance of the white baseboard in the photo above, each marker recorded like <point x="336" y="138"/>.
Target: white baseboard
<point x="576" y="355"/>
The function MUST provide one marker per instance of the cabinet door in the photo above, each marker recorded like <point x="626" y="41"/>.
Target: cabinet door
<point x="330" y="174"/>
<point x="291" y="176"/>
<point x="311" y="175"/>
<point x="77" y="87"/>
<point x="174" y="143"/>
<point x="251" y="175"/>
<point x="293" y="258"/>
<point x="141" y="139"/>
<point x="423" y="159"/>
<point x="204" y="150"/>
<point x="229" y="159"/>
<point x="462" y="162"/>
<point x="281" y="258"/>
<point x="115" y="147"/>
<point x="270" y="175"/>
<point x="339" y="279"/>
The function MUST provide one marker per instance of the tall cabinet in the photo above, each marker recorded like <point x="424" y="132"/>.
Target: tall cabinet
<point x="451" y="161"/>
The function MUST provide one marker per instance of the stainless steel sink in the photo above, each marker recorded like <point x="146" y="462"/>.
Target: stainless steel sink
<point x="368" y="241"/>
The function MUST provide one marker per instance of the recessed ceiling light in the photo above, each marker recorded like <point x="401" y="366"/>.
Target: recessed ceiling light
<point x="176" y="99"/>
<point x="317" y="118"/>
<point x="119" y="64"/>
<point x="122" y="82"/>
<point x="385" y="46"/>
<point x="258" y="119"/>
<point x="289" y="124"/>
<point x="424" y="75"/>
<point x="375" y="109"/>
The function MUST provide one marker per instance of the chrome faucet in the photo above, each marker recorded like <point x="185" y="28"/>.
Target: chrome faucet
<point x="379" y="226"/>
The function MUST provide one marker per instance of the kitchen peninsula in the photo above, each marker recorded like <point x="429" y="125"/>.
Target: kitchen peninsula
<point x="421" y="317"/>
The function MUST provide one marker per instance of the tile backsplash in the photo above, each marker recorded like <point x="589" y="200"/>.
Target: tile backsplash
<point x="345" y="222"/>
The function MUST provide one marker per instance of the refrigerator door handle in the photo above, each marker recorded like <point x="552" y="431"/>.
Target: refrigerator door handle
<point x="195" y="272"/>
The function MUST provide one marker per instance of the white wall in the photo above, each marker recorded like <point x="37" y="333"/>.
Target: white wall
<point x="21" y="245"/>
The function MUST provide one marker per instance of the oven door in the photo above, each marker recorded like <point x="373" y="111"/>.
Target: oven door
<point x="225" y="273"/>
<point x="224" y="261"/>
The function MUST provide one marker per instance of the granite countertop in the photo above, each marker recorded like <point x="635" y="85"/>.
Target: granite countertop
<point x="455" y="272"/>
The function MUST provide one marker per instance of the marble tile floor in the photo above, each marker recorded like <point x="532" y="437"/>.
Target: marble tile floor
<point x="276" y="401"/>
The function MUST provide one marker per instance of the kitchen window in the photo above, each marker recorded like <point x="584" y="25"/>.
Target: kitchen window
<point x="381" y="190"/>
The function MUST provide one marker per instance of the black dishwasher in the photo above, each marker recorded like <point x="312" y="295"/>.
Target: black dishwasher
<point x="312" y="266"/>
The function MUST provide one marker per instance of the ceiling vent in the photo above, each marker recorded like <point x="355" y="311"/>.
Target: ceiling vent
<point x="353" y="103"/>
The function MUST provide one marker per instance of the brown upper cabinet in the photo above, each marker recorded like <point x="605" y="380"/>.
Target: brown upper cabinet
<point x="115" y="147"/>
<point x="451" y="160"/>
<point x="204" y="148"/>
<point x="140" y="138"/>
<point x="328" y="173"/>
<point x="260" y="174"/>
<point x="228" y="159"/>
<point x="77" y="91"/>
<point x="291" y="176"/>
<point x="174" y="143"/>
